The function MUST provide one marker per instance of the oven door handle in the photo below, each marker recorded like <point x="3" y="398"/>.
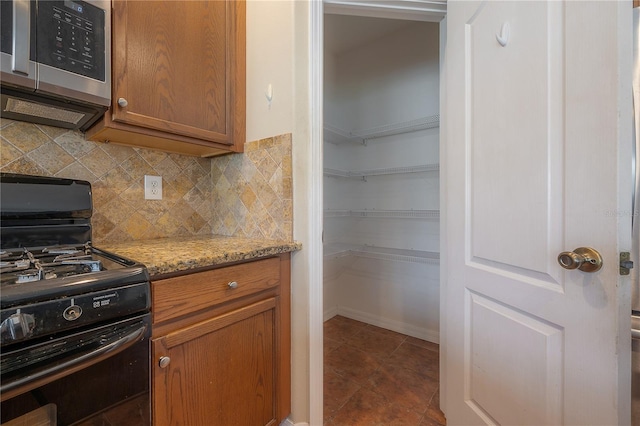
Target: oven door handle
<point x="45" y="376"/>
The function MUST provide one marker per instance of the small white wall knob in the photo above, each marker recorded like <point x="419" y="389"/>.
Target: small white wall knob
<point x="122" y="102"/>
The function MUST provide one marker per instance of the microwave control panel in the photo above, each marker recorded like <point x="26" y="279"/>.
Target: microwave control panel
<point x="70" y="36"/>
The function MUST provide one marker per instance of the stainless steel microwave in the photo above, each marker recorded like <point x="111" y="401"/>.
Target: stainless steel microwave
<point x="55" y="64"/>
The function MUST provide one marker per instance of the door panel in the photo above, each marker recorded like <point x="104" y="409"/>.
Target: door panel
<point x="527" y="348"/>
<point x="515" y="138"/>
<point x="514" y="211"/>
<point x="531" y="169"/>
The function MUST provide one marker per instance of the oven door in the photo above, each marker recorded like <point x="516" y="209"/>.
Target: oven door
<point x="99" y="376"/>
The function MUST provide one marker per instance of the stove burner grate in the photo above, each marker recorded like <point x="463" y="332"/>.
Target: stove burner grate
<point x="27" y="265"/>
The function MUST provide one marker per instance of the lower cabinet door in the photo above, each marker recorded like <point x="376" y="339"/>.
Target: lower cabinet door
<point x="218" y="372"/>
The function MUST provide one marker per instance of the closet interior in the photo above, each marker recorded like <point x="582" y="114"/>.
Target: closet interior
<point x="381" y="173"/>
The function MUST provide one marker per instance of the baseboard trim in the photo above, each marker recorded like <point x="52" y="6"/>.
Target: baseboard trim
<point x="327" y="315"/>
<point x="397" y="326"/>
<point x="288" y="422"/>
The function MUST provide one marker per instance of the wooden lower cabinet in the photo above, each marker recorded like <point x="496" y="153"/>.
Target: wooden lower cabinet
<point x="232" y="368"/>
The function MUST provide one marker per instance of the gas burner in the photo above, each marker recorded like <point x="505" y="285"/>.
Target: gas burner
<point x="92" y="265"/>
<point x="17" y="265"/>
<point x="34" y="275"/>
<point x="69" y="251"/>
<point x="62" y="251"/>
<point x="28" y="276"/>
<point x="78" y="255"/>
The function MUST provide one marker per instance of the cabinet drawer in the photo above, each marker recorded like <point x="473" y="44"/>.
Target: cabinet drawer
<point x="186" y="294"/>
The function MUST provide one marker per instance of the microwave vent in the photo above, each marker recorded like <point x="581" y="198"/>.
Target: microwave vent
<point x="20" y="106"/>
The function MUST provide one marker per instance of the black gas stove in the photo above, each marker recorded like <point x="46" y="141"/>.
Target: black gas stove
<point x="65" y="305"/>
<point x="47" y="290"/>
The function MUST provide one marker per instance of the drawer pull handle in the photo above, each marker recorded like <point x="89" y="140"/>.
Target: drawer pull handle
<point x="232" y="285"/>
<point x="164" y="361"/>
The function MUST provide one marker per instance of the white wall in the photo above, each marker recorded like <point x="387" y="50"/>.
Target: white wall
<point x="270" y="60"/>
<point x="278" y="54"/>
<point x="386" y="81"/>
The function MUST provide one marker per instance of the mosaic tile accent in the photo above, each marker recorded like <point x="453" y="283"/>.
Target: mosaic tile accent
<point x="252" y="192"/>
<point x="233" y="195"/>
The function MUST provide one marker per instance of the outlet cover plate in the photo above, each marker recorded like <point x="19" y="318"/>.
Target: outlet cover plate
<point x="152" y="187"/>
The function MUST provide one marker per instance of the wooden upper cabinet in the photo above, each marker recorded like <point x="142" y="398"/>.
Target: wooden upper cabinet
<point x="172" y="66"/>
<point x="178" y="76"/>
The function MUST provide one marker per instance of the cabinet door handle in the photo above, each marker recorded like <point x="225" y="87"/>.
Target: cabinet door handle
<point x="164" y="361"/>
<point x="232" y="284"/>
<point x="122" y="102"/>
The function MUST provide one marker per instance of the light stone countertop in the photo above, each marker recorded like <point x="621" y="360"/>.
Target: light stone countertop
<point x="170" y="255"/>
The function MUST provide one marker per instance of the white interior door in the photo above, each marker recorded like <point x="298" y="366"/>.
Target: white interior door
<point x="535" y="164"/>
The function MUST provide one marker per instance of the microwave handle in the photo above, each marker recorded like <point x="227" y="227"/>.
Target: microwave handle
<point x="21" y="36"/>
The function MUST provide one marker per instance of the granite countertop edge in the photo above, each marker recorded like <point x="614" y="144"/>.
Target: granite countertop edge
<point x="173" y="255"/>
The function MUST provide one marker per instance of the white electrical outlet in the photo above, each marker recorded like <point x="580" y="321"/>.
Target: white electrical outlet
<point x="152" y="187"/>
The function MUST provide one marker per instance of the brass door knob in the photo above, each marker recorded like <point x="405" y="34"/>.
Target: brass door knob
<point x="584" y="258"/>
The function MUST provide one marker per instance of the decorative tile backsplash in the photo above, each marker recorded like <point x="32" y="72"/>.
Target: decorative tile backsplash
<point x="236" y="195"/>
<point x="252" y="192"/>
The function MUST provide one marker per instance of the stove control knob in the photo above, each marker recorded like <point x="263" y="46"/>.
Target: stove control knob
<point x="17" y="326"/>
<point x="72" y="313"/>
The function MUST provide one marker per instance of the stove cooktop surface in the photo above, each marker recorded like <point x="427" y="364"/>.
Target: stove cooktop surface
<point x="36" y="274"/>
<point x="49" y="290"/>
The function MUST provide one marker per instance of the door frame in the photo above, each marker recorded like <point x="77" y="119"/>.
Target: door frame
<point x="409" y="9"/>
<point x="316" y="305"/>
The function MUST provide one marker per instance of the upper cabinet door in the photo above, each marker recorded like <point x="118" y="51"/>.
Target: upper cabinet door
<point x="178" y="67"/>
<point x="537" y="154"/>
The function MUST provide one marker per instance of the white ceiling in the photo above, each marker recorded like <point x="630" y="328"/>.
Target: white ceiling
<point x="345" y="32"/>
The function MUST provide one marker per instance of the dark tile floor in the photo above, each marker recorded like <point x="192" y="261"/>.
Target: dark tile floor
<point x="374" y="376"/>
